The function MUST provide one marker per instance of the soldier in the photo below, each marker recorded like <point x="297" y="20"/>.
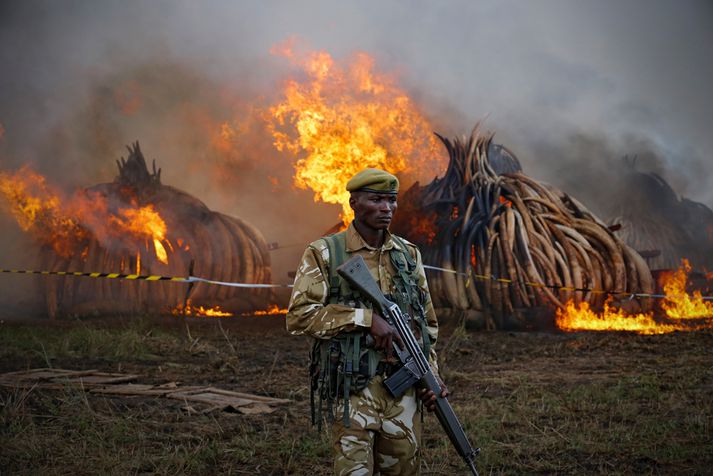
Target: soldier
<point x="372" y="432"/>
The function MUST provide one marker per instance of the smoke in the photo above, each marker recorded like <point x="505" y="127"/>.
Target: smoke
<point x="570" y="87"/>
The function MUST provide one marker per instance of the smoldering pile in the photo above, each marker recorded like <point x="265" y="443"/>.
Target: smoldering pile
<point x="658" y="222"/>
<point x="513" y="241"/>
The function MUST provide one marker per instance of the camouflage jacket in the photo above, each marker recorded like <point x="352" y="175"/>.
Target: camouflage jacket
<point x="309" y="312"/>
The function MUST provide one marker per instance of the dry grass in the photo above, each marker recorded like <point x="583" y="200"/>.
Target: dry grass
<point x="535" y="403"/>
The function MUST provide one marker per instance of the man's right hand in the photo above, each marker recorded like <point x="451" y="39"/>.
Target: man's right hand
<point x="384" y="335"/>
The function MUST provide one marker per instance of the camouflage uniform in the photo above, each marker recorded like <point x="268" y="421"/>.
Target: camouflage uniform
<point x="383" y="434"/>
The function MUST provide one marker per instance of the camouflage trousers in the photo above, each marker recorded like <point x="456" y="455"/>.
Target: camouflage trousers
<point x="384" y="436"/>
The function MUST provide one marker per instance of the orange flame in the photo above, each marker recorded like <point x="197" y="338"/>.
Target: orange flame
<point x="582" y="317"/>
<point x="67" y="224"/>
<point x="678" y="303"/>
<point x="36" y="207"/>
<point x="144" y="221"/>
<point x="344" y="118"/>
<point x="199" y="311"/>
<point x="272" y="310"/>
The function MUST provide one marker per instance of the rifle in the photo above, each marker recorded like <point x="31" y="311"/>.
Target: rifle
<point x="415" y="369"/>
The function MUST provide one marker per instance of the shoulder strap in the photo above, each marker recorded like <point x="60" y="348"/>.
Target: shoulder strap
<point x="407" y="285"/>
<point x="403" y="248"/>
<point x="337" y="246"/>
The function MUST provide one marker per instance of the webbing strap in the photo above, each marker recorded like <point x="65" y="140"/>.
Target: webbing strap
<point x="404" y="249"/>
<point x="337" y="246"/>
<point x="407" y="286"/>
<point x="348" y="346"/>
<point x="324" y="371"/>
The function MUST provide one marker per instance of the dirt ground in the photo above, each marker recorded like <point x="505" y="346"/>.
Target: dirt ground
<point x="536" y="403"/>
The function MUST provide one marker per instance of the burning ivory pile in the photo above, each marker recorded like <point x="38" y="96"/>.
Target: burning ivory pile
<point x="515" y="241"/>
<point x="137" y="225"/>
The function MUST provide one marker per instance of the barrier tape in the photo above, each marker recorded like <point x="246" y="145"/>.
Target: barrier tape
<point x="550" y="286"/>
<point x="195" y="279"/>
<point x="141" y="277"/>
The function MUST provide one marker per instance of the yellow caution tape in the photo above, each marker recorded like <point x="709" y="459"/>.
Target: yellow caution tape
<point x="103" y="275"/>
<point x="195" y="279"/>
<point x="550" y="286"/>
<point x="180" y="279"/>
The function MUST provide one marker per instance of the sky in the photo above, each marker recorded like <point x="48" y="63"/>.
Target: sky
<point x="537" y="70"/>
<point x="570" y="86"/>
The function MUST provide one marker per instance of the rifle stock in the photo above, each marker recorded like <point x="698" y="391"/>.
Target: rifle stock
<point x="357" y="274"/>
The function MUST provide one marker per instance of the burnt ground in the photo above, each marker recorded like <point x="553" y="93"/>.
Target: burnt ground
<point x="536" y="403"/>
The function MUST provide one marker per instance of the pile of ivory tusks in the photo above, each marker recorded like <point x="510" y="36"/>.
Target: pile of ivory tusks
<point x="515" y="228"/>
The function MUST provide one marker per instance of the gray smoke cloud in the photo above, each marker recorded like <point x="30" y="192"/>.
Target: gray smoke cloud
<point x="549" y="76"/>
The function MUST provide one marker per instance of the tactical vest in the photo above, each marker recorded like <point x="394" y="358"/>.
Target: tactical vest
<point x="345" y="364"/>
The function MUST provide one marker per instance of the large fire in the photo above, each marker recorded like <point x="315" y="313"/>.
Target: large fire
<point x="343" y="118"/>
<point x="684" y="312"/>
<point x="679" y="304"/>
<point x="68" y="223"/>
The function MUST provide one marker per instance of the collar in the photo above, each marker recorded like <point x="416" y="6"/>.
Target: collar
<point x="355" y="242"/>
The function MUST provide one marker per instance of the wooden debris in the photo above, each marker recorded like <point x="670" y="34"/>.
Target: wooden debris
<point x="58" y="378"/>
<point x="115" y="384"/>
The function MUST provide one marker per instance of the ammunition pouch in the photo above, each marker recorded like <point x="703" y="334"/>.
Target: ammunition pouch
<point x="339" y="368"/>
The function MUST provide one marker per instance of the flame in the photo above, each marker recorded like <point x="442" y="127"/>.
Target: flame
<point x="678" y="303"/>
<point x="144" y="221"/>
<point x="68" y="223"/>
<point x="505" y="201"/>
<point x="38" y="207"/>
<point x="199" y="311"/>
<point x="344" y="118"/>
<point x="272" y="310"/>
<point x="160" y="251"/>
<point x="582" y="317"/>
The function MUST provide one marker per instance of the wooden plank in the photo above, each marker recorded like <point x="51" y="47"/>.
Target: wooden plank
<point x="43" y="374"/>
<point x="129" y="389"/>
<point x="142" y="389"/>
<point x="103" y="379"/>
<point x="115" y="384"/>
<point x="211" y="398"/>
<point x="257" y="398"/>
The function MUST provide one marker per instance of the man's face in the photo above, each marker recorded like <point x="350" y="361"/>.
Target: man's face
<point x="374" y="210"/>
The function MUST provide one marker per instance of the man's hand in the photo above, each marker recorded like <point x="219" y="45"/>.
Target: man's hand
<point x="429" y="398"/>
<point x="384" y="335"/>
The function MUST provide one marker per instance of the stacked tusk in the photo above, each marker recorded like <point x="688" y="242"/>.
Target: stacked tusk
<point x="515" y="228"/>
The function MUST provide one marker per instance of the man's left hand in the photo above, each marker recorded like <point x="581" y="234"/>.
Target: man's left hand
<point x="429" y="398"/>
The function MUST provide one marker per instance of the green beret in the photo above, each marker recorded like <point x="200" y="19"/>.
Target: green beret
<point x="374" y="180"/>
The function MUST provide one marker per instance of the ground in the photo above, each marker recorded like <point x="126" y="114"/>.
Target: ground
<point x="536" y="403"/>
